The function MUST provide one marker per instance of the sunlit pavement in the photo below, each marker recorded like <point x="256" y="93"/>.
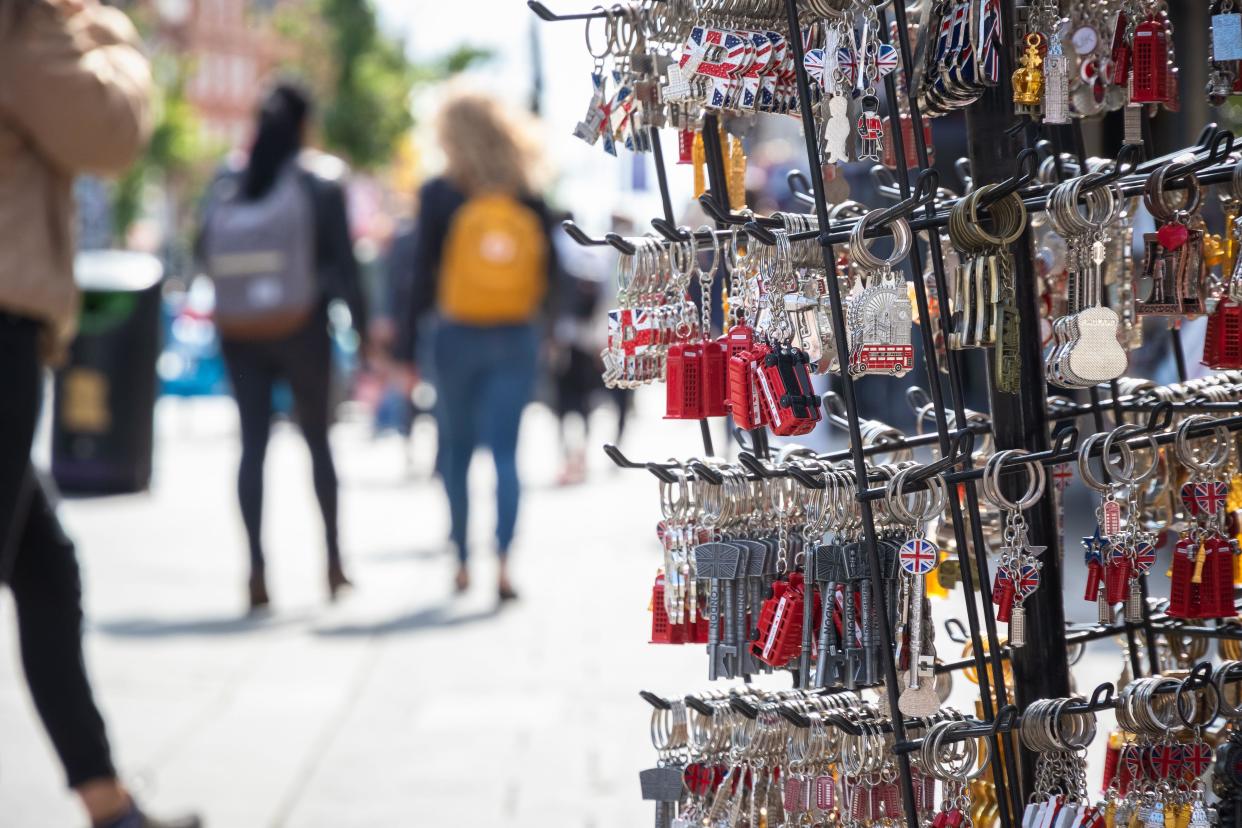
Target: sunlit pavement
<point x="401" y="705"/>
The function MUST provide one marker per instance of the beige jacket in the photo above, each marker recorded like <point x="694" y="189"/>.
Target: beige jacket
<point x="74" y="97"/>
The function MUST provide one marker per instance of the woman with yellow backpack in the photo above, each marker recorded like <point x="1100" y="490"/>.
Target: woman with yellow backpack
<point x="484" y="266"/>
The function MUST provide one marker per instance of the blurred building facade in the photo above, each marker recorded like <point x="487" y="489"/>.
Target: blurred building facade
<point x="232" y="49"/>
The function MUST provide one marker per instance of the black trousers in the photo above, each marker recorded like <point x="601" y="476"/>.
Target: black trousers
<point x="304" y="360"/>
<point x="39" y="563"/>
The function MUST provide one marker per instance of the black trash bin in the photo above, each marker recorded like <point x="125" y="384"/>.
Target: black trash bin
<point x="103" y="415"/>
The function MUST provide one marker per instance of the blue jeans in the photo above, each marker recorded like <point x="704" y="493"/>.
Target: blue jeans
<point x="484" y="377"/>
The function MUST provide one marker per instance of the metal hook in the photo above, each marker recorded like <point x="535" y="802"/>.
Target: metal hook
<point x="1222" y="144"/>
<point x="649" y="697"/>
<point x="956" y="631"/>
<point x="611" y="239"/>
<point x="1102" y="698"/>
<point x="1066" y="441"/>
<point x="700" y="706"/>
<point x="544" y="13"/>
<point x="800" y="186"/>
<point x="1028" y="169"/>
<point x="1160" y="417"/>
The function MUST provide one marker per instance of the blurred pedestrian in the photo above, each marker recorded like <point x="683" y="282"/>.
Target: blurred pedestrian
<point x="275" y="241"/>
<point x="573" y="354"/>
<point x="74" y="97"/>
<point x="485" y="264"/>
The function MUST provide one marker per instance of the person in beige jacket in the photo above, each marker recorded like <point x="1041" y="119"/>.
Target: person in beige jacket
<point x="74" y="97"/>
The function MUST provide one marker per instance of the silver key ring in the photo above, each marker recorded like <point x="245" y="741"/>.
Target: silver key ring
<point x="1185" y="452"/>
<point x="991" y="482"/>
<point x="861" y="253"/>
<point x="1119" y="472"/>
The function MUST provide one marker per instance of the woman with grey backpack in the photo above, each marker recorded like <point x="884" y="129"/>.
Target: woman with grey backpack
<point x="275" y="242"/>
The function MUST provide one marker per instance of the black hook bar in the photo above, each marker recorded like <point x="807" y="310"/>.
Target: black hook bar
<point x="1102" y="698"/>
<point x="699" y="706"/>
<point x="1127" y="162"/>
<point x="793" y="716"/>
<point x="744" y="707"/>
<point x="669" y="231"/>
<point x="706" y="472"/>
<point x="1066" y="441"/>
<point x="956" y="631"/>
<point x="1028" y="169"/>
<point x="544" y="13"/>
<point x="611" y="239"/>
<point x="799" y="186"/>
<point x="655" y="701"/>
<point x="1222" y="143"/>
<point x="758" y="231"/>
<point x="720" y="214"/>
<point x="922" y="194"/>
<point x="1160" y="417"/>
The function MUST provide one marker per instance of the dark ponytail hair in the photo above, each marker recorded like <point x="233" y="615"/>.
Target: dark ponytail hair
<point x="278" y="139"/>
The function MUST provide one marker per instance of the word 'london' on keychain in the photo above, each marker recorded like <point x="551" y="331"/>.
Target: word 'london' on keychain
<point x="1017" y="571"/>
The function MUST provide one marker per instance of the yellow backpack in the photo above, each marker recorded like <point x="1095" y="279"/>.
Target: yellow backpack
<point x="494" y="266"/>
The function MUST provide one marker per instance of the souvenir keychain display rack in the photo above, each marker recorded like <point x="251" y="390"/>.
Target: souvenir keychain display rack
<point x="1017" y="421"/>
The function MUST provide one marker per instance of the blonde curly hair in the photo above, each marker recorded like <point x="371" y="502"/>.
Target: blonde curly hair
<point x="487" y="148"/>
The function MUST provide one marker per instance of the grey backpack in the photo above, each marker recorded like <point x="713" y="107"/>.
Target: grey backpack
<point x="260" y="256"/>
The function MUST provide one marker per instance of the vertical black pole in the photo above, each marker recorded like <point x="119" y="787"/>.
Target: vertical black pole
<point x="947" y="446"/>
<point x="1021" y="420"/>
<point x="891" y="681"/>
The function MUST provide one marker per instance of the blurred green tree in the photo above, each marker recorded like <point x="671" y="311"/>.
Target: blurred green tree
<point x="175" y="151"/>
<point x="366" y="80"/>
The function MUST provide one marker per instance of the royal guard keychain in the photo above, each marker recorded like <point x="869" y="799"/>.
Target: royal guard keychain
<point x="1018" y="568"/>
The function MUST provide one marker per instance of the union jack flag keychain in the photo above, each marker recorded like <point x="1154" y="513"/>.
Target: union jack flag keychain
<point x="1202" y="581"/>
<point x="1019" y="566"/>
<point x="918" y="558"/>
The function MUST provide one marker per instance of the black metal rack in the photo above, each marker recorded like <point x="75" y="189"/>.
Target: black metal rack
<point x="1002" y="151"/>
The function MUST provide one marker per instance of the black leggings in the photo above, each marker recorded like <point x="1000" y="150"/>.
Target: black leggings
<point x="39" y="563"/>
<point x="303" y="359"/>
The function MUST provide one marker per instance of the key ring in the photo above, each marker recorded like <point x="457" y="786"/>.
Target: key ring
<point x="599" y="12"/>
<point x="1155" y="196"/>
<point x="1188" y="719"/>
<point x="1185" y="453"/>
<point x="991" y="482"/>
<point x="1223" y="675"/>
<point x="861" y="253"/>
<point x="1119" y="472"/>
<point x="1121" y="431"/>
<point x="929" y="506"/>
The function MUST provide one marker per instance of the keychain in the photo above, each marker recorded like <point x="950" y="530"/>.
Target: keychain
<point x="918" y="557"/>
<point x="1017" y="571"/>
<point x="879" y="316"/>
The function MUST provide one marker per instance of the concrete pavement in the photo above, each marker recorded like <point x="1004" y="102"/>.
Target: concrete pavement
<point x="400" y="706"/>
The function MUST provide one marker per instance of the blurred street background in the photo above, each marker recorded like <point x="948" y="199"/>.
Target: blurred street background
<point x="401" y="704"/>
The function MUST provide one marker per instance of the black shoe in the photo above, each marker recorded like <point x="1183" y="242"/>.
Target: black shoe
<point x="337" y="581"/>
<point x="259" y="600"/>
<point x="135" y="818"/>
<point x="506" y="592"/>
